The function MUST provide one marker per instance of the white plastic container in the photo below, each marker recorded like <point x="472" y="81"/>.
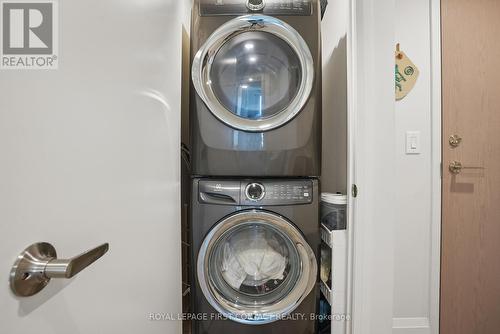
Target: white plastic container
<point x="333" y="211"/>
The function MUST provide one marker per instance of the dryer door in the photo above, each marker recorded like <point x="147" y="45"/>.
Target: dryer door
<point x="254" y="73"/>
<point x="255" y="267"/>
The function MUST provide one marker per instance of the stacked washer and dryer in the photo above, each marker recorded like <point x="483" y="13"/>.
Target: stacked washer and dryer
<point x="255" y="133"/>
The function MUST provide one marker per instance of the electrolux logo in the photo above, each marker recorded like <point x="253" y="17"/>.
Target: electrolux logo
<point x="29" y="34"/>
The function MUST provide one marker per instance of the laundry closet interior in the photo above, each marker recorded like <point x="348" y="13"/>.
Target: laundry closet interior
<point x="265" y="194"/>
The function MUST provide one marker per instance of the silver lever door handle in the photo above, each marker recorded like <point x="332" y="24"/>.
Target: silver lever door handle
<point x="70" y="267"/>
<point x="38" y="263"/>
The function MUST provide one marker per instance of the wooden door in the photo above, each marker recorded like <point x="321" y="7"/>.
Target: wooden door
<point x="470" y="282"/>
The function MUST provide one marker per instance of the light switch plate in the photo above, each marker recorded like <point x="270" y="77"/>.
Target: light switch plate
<point x="413" y="142"/>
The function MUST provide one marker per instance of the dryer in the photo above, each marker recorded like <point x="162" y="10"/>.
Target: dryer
<point x="255" y="250"/>
<point x="255" y="105"/>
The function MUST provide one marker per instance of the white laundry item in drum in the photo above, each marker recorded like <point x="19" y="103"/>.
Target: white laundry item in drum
<point x="250" y="258"/>
<point x="232" y="271"/>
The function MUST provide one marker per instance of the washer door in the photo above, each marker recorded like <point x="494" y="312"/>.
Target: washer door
<point x="255" y="267"/>
<point x="255" y="73"/>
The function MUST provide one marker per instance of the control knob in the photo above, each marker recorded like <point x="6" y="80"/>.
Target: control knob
<point x="255" y="5"/>
<point x="255" y="191"/>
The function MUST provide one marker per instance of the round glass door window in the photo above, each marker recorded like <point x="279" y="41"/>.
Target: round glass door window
<point x="255" y="266"/>
<point x="255" y="73"/>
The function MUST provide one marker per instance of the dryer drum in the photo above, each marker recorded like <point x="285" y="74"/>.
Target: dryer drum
<point x="255" y="73"/>
<point x="255" y="267"/>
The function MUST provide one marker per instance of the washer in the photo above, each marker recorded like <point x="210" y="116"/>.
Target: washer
<point x="255" y="246"/>
<point x="256" y="88"/>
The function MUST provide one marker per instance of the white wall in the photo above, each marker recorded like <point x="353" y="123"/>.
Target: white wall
<point x="334" y="162"/>
<point x="334" y="54"/>
<point x="415" y="275"/>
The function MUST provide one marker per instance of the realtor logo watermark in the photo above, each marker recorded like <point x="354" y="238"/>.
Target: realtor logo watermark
<point x="29" y="36"/>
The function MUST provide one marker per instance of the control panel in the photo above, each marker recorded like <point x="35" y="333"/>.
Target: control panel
<point x="267" y="7"/>
<point x="255" y="192"/>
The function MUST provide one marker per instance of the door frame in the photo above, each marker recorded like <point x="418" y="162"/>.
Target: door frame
<point x="437" y="165"/>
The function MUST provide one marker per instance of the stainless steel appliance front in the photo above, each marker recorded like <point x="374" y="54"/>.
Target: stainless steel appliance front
<point x="255" y="107"/>
<point x="255" y="261"/>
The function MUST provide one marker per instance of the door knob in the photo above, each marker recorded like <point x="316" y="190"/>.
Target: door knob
<point x="454" y="141"/>
<point x="456" y="167"/>
<point x="38" y="263"/>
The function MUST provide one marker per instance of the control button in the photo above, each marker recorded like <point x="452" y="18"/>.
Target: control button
<point x="255" y="191"/>
<point x="255" y="5"/>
